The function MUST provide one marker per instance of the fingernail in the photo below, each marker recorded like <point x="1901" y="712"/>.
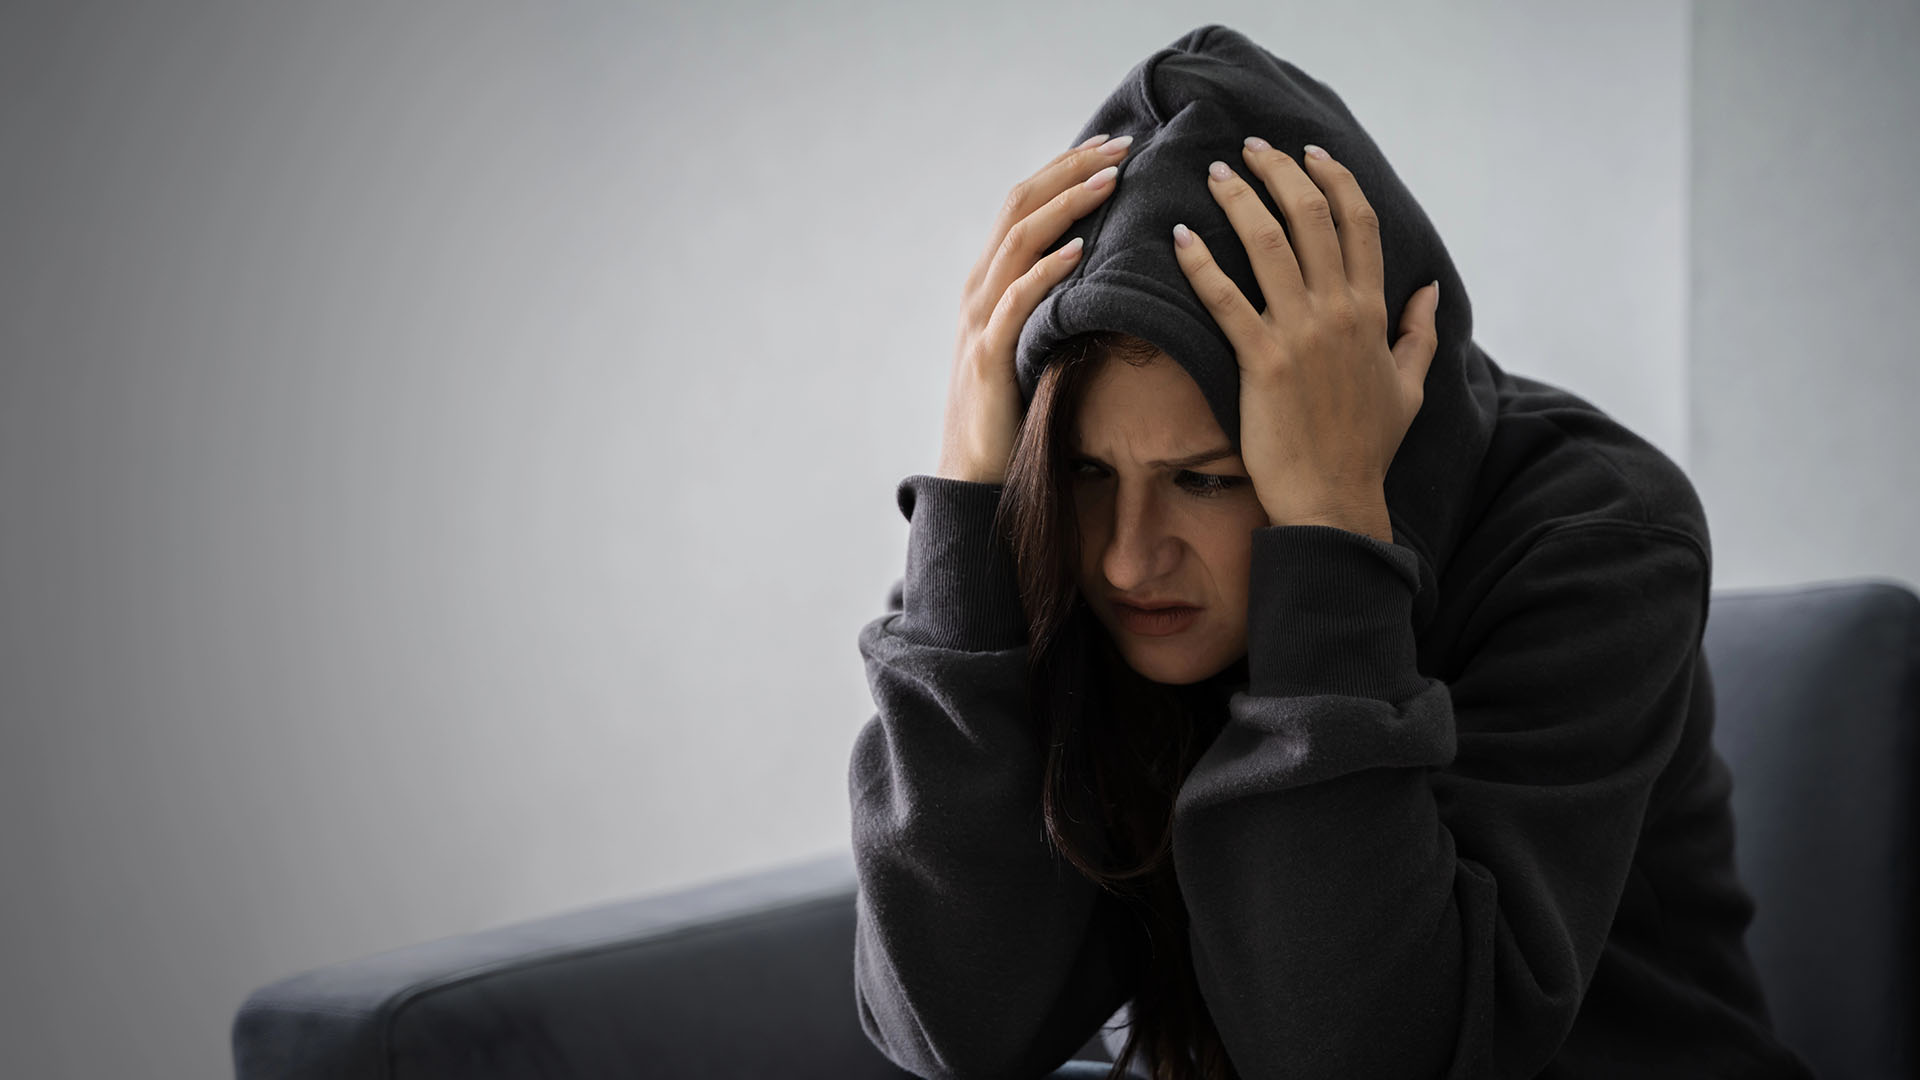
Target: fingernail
<point x="1219" y="170"/>
<point x="1315" y="151"/>
<point x="1182" y="236"/>
<point x="1118" y="145"/>
<point x="1095" y="141"/>
<point x="1255" y="142"/>
<point x="1103" y="177"/>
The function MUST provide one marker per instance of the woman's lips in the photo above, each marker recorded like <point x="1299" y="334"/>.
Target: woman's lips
<point x="1157" y="623"/>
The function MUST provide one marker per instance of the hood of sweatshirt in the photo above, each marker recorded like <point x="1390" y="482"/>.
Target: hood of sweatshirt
<point x="1190" y="104"/>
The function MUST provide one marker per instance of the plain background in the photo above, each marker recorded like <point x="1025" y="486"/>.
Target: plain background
<point x="447" y="450"/>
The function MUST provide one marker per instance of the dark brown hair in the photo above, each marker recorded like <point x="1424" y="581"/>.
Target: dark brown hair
<point x="1116" y="744"/>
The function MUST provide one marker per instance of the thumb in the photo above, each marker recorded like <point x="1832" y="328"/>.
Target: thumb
<point x="1419" y="339"/>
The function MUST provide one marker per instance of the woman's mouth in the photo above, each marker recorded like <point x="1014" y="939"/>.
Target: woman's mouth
<point x="1157" y="623"/>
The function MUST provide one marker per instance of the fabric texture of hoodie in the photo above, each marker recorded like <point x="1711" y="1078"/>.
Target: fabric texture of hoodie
<point x="1462" y="818"/>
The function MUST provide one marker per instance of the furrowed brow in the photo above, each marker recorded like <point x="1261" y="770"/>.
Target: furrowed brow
<point x="1175" y="463"/>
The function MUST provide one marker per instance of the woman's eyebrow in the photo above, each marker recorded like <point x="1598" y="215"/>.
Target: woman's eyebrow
<point x="1175" y="463"/>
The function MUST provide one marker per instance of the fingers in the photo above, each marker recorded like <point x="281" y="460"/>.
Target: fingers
<point x="1015" y="305"/>
<point x="1038" y="209"/>
<point x="1276" y="267"/>
<point x="1245" y="328"/>
<point x="1359" y="226"/>
<point x="1334" y="246"/>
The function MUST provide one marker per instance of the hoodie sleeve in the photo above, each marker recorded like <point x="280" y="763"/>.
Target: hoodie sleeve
<point x="1388" y="875"/>
<point x="978" y="952"/>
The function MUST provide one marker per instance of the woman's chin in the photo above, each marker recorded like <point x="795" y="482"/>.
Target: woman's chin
<point x="1168" y="662"/>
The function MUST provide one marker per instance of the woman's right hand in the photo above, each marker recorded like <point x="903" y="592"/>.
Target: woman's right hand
<point x="984" y="409"/>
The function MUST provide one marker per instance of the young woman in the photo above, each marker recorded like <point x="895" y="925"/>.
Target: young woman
<point x="1331" y="699"/>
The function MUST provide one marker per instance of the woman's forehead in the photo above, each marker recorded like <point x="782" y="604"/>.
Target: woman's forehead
<point x="1146" y="401"/>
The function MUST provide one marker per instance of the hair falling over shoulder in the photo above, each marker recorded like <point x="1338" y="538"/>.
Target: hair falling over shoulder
<point x="1116" y="744"/>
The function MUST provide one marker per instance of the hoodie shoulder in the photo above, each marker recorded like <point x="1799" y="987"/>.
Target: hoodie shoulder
<point x="1557" y="461"/>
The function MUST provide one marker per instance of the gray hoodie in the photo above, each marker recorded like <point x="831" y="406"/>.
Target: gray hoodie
<point x="1462" y="817"/>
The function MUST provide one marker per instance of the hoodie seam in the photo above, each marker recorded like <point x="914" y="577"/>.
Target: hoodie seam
<point x="1146" y="87"/>
<point x="1605" y="456"/>
<point x="1650" y="529"/>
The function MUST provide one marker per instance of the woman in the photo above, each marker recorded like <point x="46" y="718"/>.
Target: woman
<point x="1415" y="777"/>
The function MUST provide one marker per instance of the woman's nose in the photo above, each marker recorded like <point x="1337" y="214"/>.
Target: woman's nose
<point x="1139" y="548"/>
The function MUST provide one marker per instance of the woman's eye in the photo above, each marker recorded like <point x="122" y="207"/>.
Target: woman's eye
<point x="1207" y="484"/>
<point x="1204" y="485"/>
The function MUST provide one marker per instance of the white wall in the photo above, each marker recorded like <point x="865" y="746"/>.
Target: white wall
<point x="447" y="451"/>
<point x="1806" y="262"/>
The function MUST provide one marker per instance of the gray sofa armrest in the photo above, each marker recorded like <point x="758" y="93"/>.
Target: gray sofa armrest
<point x="749" y="977"/>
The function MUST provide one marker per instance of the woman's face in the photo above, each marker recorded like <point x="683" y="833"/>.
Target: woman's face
<point x="1157" y="533"/>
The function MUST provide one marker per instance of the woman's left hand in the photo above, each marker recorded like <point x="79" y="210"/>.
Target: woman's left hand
<point x="1324" y="402"/>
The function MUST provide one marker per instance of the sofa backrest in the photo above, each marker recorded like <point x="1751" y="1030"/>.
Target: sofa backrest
<point x="1817" y="700"/>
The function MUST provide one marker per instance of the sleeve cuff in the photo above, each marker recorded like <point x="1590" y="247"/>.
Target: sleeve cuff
<point x="1330" y="611"/>
<point x="960" y="589"/>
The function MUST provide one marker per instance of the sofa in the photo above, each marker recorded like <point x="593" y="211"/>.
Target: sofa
<point x="1818" y="699"/>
